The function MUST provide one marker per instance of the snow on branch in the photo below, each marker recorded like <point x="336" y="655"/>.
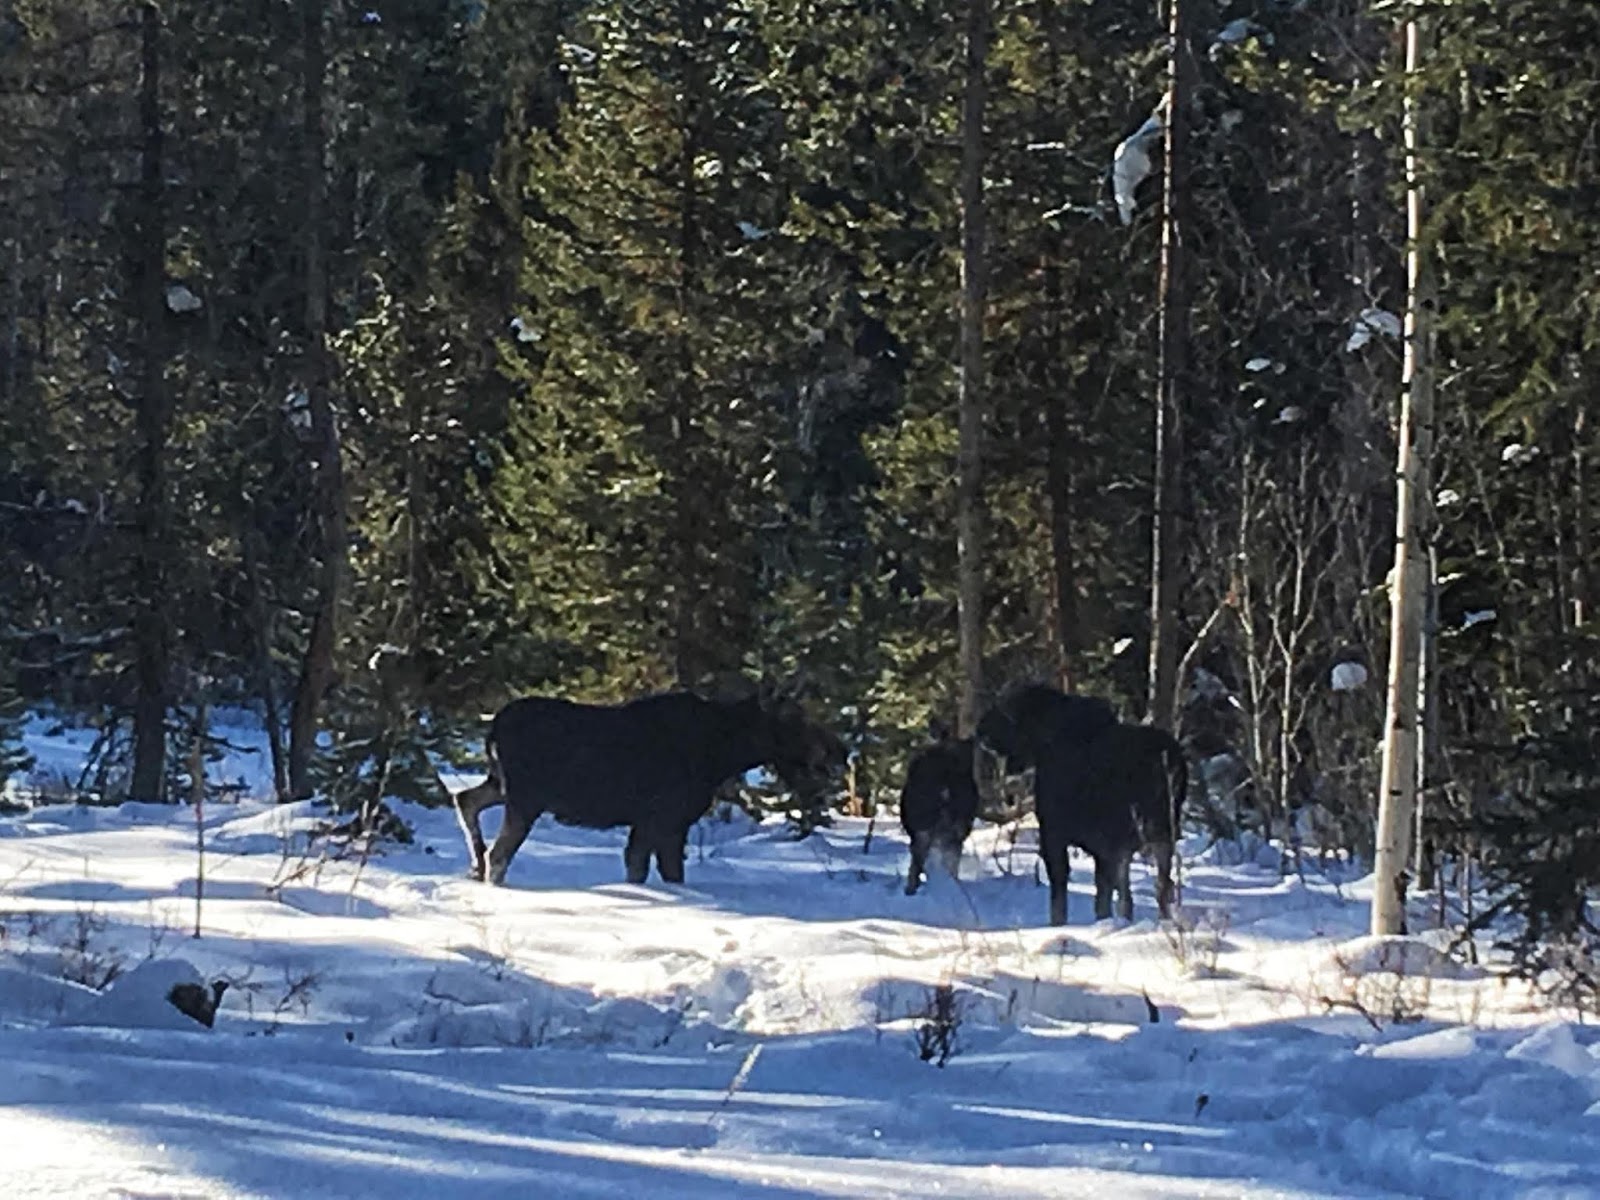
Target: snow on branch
<point x="1371" y="322"/>
<point x="1130" y="163"/>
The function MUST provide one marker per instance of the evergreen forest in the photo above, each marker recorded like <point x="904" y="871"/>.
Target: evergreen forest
<point x="367" y="365"/>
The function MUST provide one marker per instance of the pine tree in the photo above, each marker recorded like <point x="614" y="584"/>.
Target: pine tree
<point x="14" y="757"/>
<point x="641" y="460"/>
<point x="426" y="645"/>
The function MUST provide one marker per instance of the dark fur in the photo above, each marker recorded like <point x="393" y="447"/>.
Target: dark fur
<point x="1108" y="788"/>
<point x="938" y="806"/>
<point x="651" y="764"/>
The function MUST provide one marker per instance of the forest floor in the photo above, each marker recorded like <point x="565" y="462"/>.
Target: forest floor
<point x="393" y="1029"/>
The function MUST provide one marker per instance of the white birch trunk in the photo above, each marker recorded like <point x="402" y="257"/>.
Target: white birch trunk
<point x="1409" y="581"/>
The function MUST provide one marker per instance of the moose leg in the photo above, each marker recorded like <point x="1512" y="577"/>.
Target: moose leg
<point x="469" y="805"/>
<point x="1162" y="852"/>
<point x="947" y="845"/>
<point x="636" y="855"/>
<point x="1105" y="880"/>
<point x="1124" y="886"/>
<point x="670" y="845"/>
<point x="513" y="832"/>
<point x="919" y="859"/>
<point x="950" y="854"/>
<point x="1057" y="868"/>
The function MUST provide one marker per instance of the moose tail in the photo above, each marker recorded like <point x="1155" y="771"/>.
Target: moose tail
<point x="491" y="752"/>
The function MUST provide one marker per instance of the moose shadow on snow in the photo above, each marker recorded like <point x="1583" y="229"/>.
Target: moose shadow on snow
<point x="87" y="891"/>
<point x="824" y="876"/>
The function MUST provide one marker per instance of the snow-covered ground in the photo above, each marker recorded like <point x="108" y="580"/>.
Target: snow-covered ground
<point x="393" y="1029"/>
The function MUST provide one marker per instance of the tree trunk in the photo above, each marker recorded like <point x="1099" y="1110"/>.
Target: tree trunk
<point x="1429" y="744"/>
<point x="317" y="667"/>
<point x="152" y="638"/>
<point x="974" y="302"/>
<point x="1063" y="560"/>
<point x="1582" y="534"/>
<point x="689" y="662"/>
<point x="1059" y="432"/>
<point x="9" y="373"/>
<point x="1408" y="594"/>
<point x="266" y="683"/>
<point x="197" y="796"/>
<point x="1173" y="303"/>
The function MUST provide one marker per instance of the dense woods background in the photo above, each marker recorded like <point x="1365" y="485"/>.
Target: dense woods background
<point x="369" y="364"/>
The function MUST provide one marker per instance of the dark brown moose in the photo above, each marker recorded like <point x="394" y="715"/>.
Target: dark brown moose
<point x="1106" y="787"/>
<point x="651" y="764"/>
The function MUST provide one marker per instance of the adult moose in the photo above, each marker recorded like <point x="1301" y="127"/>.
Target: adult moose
<point x="1101" y="785"/>
<point x="651" y="764"/>
<point x="938" y="803"/>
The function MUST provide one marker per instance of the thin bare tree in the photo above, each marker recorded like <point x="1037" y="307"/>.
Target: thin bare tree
<point x="972" y="404"/>
<point x="1173" y="304"/>
<point x="152" y="637"/>
<point x="1409" y="582"/>
<point x="317" y="665"/>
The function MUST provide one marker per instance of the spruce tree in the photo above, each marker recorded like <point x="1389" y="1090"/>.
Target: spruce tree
<point x="641" y="461"/>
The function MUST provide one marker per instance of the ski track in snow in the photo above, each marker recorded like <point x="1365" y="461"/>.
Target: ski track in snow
<point x="394" y="1029"/>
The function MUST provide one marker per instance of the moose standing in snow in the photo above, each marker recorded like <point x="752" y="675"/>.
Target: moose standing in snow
<point x="651" y="764"/>
<point x="938" y="804"/>
<point x="1103" y="786"/>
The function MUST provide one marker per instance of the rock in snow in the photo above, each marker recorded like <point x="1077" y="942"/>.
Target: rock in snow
<point x="141" y="999"/>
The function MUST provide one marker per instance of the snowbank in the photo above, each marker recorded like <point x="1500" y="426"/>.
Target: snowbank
<point x="140" y="999"/>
